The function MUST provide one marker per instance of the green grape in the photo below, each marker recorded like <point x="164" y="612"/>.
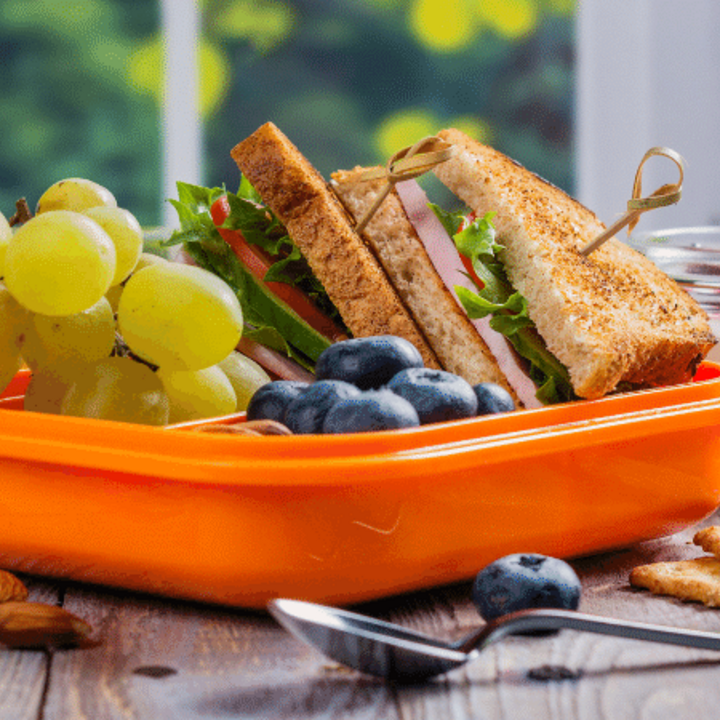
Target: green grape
<point x="5" y="235"/>
<point x="114" y="293"/>
<point x="59" y="263"/>
<point x="198" y="394"/>
<point x="76" y="194"/>
<point x="125" y="231"/>
<point x="60" y="343"/>
<point x="149" y="259"/>
<point x="245" y="375"/>
<point x="117" y="388"/>
<point x="113" y="296"/>
<point x="46" y="391"/>
<point x="179" y="317"/>
<point x="13" y="321"/>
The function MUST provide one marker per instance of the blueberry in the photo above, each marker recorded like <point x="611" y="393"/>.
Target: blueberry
<point x="524" y="581"/>
<point x="271" y="400"/>
<point x="371" y="410"/>
<point x="306" y="413"/>
<point x="493" y="398"/>
<point x="435" y="394"/>
<point x="368" y="362"/>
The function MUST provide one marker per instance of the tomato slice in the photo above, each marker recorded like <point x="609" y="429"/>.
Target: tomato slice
<point x="258" y="262"/>
<point x="467" y="263"/>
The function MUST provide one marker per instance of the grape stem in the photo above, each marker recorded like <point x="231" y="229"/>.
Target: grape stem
<point x="121" y="349"/>
<point x="22" y="213"/>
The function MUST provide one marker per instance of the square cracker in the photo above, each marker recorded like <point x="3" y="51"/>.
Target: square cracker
<point x="696" y="580"/>
<point x="709" y="539"/>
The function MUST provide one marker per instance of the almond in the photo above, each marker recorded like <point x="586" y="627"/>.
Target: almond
<point x="238" y="429"/>
<point x="11" y="588"/>
<point x="251" y="427"/>
<point x="37" y="625"/>
<point x="268" y="427"/>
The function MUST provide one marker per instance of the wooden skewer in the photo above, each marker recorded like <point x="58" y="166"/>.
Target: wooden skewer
<point x="615" y="228"/>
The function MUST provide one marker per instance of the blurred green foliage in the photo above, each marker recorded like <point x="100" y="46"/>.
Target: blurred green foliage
<point x="349" y="81"/>
<point x="67" y="108"/>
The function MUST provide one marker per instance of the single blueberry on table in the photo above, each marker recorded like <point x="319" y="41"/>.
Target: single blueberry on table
<point x="493" y="398"/>
<point x="371" y="410"/>
<point x="368" y="362"/>
<point x="524" y="581"/>
<point x="306" y="413"/>
<point x="271" y="401"/>
<point x="437" y="395"/>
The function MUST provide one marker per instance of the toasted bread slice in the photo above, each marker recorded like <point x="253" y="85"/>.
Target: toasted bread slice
<point x="320" y="227"/>
<point x="394" y="241"/>
<point x="612" y="317"/>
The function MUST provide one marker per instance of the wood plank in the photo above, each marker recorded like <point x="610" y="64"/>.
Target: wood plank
<point x="23" y="673"/>
<point x="163" y="659"/>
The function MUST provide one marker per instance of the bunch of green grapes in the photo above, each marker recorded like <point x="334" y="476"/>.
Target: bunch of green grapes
<point x="108" y="331"/>
<point x="186" y="322"/>
<point x="12" y="324"/>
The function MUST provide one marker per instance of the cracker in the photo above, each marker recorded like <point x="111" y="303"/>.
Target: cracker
<point x="709" y="539"/>
<point x="695" y="580"/>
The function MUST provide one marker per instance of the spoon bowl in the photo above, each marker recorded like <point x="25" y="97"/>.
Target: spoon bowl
<point x="389" y="651"/>
<point x="374" y="647"/>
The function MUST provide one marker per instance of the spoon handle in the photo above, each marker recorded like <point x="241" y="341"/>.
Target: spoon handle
<point x="530" y="620"/>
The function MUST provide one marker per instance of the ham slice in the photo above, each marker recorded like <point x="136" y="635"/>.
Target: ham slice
<point x="275" y="363"/>
<point x="446" y="260"/>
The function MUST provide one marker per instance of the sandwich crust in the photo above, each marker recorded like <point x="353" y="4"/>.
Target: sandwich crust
<point x="612" y="317"/>
<point x="394" y="241"/>
<point x="320" y="227"/>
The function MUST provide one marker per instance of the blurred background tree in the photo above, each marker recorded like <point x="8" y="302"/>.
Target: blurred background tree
<point x="67" y="106"/>
<point x="349" y="81"/>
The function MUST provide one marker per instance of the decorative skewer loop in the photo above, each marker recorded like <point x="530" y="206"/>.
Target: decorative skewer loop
<point x="668" y="194"/>
<point x="406" y="164"/>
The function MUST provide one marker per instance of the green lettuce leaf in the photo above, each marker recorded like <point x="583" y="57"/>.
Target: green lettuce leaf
<point x="506" y="307"/>
<point x="260" y="227"/>
<point x="268" y="319"/>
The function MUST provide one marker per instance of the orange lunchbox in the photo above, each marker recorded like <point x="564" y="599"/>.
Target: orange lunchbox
<point x="238" y="519"/>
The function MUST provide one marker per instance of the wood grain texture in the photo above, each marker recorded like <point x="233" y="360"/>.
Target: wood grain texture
<point x="167" y="659"/>
<point x="24" y="673"/>
<point x="610" y="678"/>
<point x="173" y="660"/>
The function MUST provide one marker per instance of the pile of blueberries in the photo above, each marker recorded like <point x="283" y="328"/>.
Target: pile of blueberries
<point x="374" y="383"/>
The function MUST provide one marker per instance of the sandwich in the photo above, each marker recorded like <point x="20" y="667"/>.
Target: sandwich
<point x="498" y="293"/>
<point x="303" y="274"/>
<point x="582" y="326"/>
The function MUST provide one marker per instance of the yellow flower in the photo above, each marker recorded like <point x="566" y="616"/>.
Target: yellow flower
<point x="443" y="25"/>
<point x="474" y="127"/>
<point x="404" y="128"/>
<point x="510" y="18"/>
<point x="145" y="72"/>
<point x="263" y="24"/>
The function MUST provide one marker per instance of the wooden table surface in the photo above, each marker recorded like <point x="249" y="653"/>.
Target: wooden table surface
<point x="164" y="658"/>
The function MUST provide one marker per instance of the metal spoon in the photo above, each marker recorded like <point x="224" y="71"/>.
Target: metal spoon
<point x="389" y="651"/>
